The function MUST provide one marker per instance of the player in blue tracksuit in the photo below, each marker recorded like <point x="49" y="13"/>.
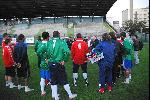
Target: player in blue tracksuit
<point x="105" y="65"/>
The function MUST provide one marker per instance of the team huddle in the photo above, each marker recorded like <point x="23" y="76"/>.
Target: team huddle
<point x="113" y="54"/>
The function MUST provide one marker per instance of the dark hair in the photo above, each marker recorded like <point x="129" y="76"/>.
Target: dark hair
<point x="7" y="40"/>
<point x="45" y="35"/>
<point x="118" y="35"/>
<point x="123" y="34"/>
<point x="106" y="36"/>
<point x="5" y="34"/>
<point x="39" y="38"/>
<point x="112" y="34"/>
<point x="56" y="34"/>
<point x="79" y="35"/>
<point x="21" y="37"/>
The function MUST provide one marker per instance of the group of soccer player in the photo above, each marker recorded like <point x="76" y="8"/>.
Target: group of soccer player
<point x="15" y="60"/>
<point x="53" y="53"/>
<point x="117" y="50"/>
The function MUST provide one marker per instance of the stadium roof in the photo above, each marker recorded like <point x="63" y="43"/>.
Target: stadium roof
<point x="53" y="8"/>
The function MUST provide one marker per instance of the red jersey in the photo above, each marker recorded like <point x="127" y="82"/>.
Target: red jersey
<point x="79" y="49"/>
<point x="7" y="56"/>
<point x="3" y="44"/>
<point x="12" y="45"/>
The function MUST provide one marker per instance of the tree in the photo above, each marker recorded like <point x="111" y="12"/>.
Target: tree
<point x="134" y="26"/>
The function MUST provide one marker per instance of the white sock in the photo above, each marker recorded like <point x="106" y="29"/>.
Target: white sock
<point x="85" y="77"/>
<point x="42" y="84"/>
<point x="54" y="92"/>
<point x="75" y="77"/>
<point x="127" y="80"/>
<point x="130" y="76"/>
<point x="67" y="88"/>
<point x="53" y="95"/>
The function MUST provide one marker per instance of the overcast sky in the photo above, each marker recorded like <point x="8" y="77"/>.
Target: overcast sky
<point x="115" y="12"/>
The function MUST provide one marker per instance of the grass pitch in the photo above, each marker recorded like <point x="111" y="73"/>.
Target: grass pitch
<point x="138" y="89"/>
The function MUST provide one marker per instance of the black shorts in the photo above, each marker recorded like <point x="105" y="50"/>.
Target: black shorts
<point x="76" y="67"/>
<point x="10" y="72"/>
<point x="118" y="60"/>
<point x="58" y="74"/>
<point x="24" y="70"/>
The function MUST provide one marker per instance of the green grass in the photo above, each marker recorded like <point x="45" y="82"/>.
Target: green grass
<point x="138" y="89"/>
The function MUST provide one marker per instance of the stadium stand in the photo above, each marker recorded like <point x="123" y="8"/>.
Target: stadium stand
<point x="31" y="17"/>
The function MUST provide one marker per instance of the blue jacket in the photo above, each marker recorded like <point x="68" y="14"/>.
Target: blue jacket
<point x="20" y="52"/>
<point x="109" y="51"/>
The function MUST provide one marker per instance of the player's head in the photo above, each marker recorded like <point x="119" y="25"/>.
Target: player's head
<point x="56" y="34"/>
<point x="45" y="35"/>
<point x="106" y="37"/>
<point x="79" y="35"/>
<point x="113" y="36"/>
<point x="21" y="37"/>
<point x="123" y="35"/>
<point x="5" y="35"/>
<point x="7" y="41"/>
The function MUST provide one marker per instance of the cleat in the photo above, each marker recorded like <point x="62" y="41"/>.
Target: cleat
<point x="114" y="83"/>
<point x="125" y="82"/>
<point x="43" y="93"/>
<point x="101" y="90"/>
<point x="109" y="88"/>
<point x="75" y="84"/>
<point x="54" y="97"/>
<point x="86" y="84"/>
<point x="72" y="96"/>
<point x="47" y="82"/>
<point x="27" y="89"/>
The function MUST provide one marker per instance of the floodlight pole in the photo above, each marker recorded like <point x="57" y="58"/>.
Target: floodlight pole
<point x="131" y="9"/>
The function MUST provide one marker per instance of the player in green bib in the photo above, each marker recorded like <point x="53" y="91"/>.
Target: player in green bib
<point x="57" y="53"/>
<point x="128" y="56"/>
<point x="44" y="68"/>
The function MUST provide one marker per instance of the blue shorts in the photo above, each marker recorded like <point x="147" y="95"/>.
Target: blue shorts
<point x="127" y="64"/>
<point x="45" y="74"/>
